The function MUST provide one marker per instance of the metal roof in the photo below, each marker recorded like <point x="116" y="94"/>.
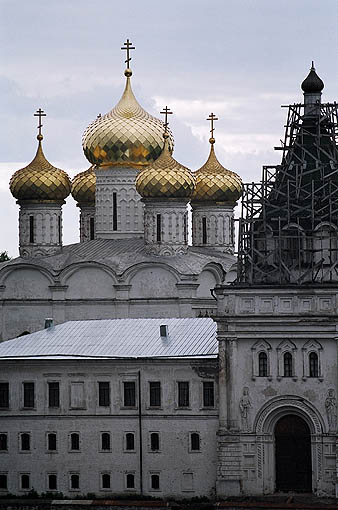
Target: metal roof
<point x="117" y="338"/>
<point x="121" y="254"/>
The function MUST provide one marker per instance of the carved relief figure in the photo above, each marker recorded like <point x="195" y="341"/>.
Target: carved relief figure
<point x="244" y="406"/>
<point x="331" y="409"/>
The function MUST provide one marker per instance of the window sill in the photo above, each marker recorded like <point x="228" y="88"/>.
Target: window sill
<point x="129" y="451"/>
<point x="28" y="409"/>
<point x="53" y="452"/>
<point x="105" y="451"/>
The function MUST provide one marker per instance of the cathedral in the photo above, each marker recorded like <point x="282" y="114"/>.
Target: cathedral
<point x="169" y="369"/>
<point x="133" y="258"/>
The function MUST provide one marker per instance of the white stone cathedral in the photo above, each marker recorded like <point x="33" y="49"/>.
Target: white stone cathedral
<point x="133" y="258"/>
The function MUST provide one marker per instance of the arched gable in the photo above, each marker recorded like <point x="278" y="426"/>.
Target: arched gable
<point x="88" y="281"/>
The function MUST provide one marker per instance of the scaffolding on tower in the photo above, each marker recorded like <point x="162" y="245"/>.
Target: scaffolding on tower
<point x="288" y="230"/>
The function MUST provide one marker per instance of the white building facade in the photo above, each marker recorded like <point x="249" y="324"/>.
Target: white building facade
<point x="134" y="413"/>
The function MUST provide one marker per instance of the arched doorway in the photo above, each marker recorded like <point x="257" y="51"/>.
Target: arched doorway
<point x="293" y="455"/>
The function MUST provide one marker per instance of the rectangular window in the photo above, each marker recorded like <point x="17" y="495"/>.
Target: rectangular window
<point x="25" y="442"/>
<point x="3" y="442"/>
<point x="3" y="481"/>
<point x="75" y="481"/>
<point x="154" y="394"/>
<point x="28" y="395"/>
<point x="204" y="230"/>
<point x="129" y="394"/>
<point x="31" y="229"/>
<point x="4" y="395"/>
<point x="130" y="441"/>
<point x="59" y="230"/>
<point x="158" y="227"/>
<point x="75" y="441"/>
<point x="105" y="481"/>
<point x="105" y="441"/>
<point x="104" y="394"/>
<point x="91" y="229"/>
<point x="187" y="482"/>
<point x="51" y="441"/>
<point x="155" y="482"/>
<point x="25" y="481"/>
<point x="53" y="394"/>
<point x="114" y="211"/>
<point x="130" y="481"/>
<point x="183" y="394"/>
<point x="208" y="394"/>
<point x="52" y="482"/>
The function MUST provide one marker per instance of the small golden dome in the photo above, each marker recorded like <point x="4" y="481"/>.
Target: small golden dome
<point x="40" y="180"/>
<point x="165" y="178"/>
<point x="83" y="186"/>
<point x="127" y="135"/>
<point x="215" y="183"/>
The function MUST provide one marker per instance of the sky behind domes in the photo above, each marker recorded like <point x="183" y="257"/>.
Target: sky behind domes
<point x="240" y="59"/>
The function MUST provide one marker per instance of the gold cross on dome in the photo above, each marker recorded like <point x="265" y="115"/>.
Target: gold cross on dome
<point x="166" y="111"/>
<point x="127" y="47"/>
<point x="212" y="117"/>
<point x="39" y="113"/>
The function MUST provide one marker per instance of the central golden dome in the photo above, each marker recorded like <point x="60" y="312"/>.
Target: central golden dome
<point x="125" y="136"/>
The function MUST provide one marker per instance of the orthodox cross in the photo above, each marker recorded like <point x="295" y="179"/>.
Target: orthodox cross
<point x="166" y="111"/>
<point x="39" y="113"/>
<point x="212" y="117"/>
<point x="128" y="46"/>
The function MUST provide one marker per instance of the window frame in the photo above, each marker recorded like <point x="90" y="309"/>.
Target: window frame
<point x="25" y="473"/>
<point x="25" y="450"/>
<point x="24" y="406"/>
<point x="101" y="449"/>
<point x="4" y="489"/>
<point x="288" y="365"/>
<point x="204" y="406"/>
<point x="155" y="406"/>
<point x="103" y="394"/>
<point x="261" y="346"/>
<point x="49" y="395"/>
<point x="151" y="488"/>
<point x="5" y="450"/>
<point x="125" y="442"/>
<point x="102" y="474"/>
<point x="178" y="386"/>
<point x="47" y="482"/>
<point x="126" y="474"/>
<point x="71" y="474"/>
<point x="70" y="444"/>
<point x="192" y="433"/>
<point x="312" y="346"/>
<point x="48" y="449"/>
<point x="266" y="364"/>
<point x="124" y="404"/>
<point x="7" y="394"/>
<point x="158" y="450"/>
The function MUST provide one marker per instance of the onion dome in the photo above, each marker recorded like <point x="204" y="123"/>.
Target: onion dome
<point x="125" y="136"/>
<point x="83" y="186"/>
<point x="40" y="180"/>
<point x="165" y="178"/>
<point x="312" y="83"/>
<point x="215" y="183"/>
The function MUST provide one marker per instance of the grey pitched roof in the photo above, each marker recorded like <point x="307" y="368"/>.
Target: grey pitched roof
<point x="117" y="338"/>
<point x="121" y="254"/>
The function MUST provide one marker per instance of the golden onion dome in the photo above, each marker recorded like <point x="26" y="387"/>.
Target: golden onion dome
<point x="40" y="180"/>
<point x="127" y="135"/>
<point x="165" y="178"/>
<point x="83" y="186"/>
<point x="215" y="183"/>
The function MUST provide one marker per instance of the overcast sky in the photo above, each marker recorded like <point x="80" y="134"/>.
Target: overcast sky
<point x="240" y="59"/>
